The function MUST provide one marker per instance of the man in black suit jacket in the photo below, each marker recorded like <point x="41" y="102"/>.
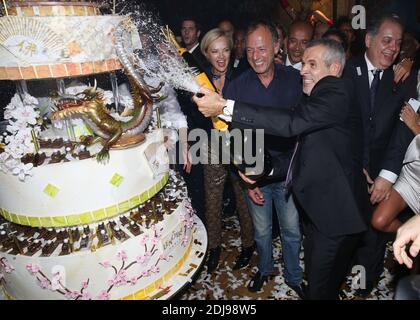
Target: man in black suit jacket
<point x="327" y="167"/>
<point x="190" y="34"/>
<point x="386" y="138"/>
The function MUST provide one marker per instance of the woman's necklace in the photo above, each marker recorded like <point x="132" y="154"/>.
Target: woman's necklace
<point x="218" y="80"/>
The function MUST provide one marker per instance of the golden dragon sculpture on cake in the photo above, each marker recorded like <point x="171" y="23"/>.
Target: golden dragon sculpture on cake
<point x="90" y="105"/>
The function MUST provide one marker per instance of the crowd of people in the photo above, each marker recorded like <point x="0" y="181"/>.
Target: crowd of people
<point x="344" y="141"/>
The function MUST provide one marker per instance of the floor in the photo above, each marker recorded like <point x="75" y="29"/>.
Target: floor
<point x="226" y="284"/>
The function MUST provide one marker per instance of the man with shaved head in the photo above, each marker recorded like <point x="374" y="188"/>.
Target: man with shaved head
<point x="300" y="33"/>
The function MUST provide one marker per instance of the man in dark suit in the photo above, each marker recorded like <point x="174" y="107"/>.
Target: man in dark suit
<point x="386" y="138"/>
<point x="239" y="60"/>
<point x="327" y="164"/>
<point x="190" y="34"/>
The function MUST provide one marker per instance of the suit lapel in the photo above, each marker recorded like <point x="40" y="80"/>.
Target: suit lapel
<point x="363" y="85"/>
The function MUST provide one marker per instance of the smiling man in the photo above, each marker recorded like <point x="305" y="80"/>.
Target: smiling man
<point x="386" y="138"/>
<point x="300" y="34"/>
<point x="326" y="169"/>
<point x="271" y="85"/>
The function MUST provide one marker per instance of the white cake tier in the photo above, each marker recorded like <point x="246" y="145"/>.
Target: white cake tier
<point x="55" y="47"/>
<point x="153" y="265"/>
<point x="81" y="192"/>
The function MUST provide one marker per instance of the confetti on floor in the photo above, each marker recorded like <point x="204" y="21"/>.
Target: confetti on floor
<point x="227" y="284"/>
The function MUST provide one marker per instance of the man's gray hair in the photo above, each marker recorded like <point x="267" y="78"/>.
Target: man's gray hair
<point x="334" y="52"/>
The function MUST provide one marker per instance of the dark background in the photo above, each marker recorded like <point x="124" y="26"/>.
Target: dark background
<point x="240" y="12"/>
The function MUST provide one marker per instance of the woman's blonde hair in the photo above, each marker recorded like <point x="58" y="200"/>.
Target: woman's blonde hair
<point x="212" y="36"/>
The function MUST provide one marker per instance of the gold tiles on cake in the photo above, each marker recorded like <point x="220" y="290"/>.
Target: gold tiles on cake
<point x="140" y="295"/>
<point x="91" y="11"/>
<point x="99" y="214"/>
<point x="149" y="289"/>
<point x="3" y="73"/>
<point x="144" y="196"/>
<point x="69" y="11"/>
<point x="79" y="10"/>
<point x="59" y="221"/>
<point x="14" y="218"/>
<point x="99" y="66"/>
<point x="111" y="211"/>
<point x="13" y="73"/>
<point x="135" y="201"/>
<point x="87" y="67"/>
<point x="34" y="222"/>
<point x="129" y="297"/>
<point x="86" y="218"/>
<point x="45" y="11"/>
<point x="27" y="11"/>
<point x="58" y="70"/>
<point x="43" y="71"/>
<point x="159" y="282"/>
<point x="124" y="206"/>
<point x="73" y="220"/>
<point x="28" y="73"/>
<point x="73" y="69"/>
<point x="46" y="222"/>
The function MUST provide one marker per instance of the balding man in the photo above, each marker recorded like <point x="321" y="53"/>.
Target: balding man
<point x="300" y="33"/>
<point x="227" y="27"/>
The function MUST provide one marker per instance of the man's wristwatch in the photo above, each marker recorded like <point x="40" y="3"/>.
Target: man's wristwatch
<point x="226" y="111"/>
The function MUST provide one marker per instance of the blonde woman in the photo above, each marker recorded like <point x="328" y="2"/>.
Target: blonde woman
<point x="216" y="47"/>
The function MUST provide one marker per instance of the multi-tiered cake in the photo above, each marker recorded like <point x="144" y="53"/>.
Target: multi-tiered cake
<point x="89" y="208"/>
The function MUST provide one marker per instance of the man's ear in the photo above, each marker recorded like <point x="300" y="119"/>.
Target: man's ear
<point x="368" y="40"/>
<point x="276" y="47"/>
<point x="335" y="69"/>
<point x="198" y="34"/>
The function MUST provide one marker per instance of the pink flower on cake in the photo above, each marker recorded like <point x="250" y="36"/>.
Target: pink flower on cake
<point x="155" y="241"/>
<point x="144" y="259"/>
<point x="190" y="223"/>
<point x="122" y="255"/>
<point x="8" y="268"/>
<point x="22" y="170"/>
<point x="145" y="273"/>
<point x="86" y="296"/>
<point x="104" y="295"/>
<point x="119" y="279"/>
<point x="155" y="269"/>
<point x="85" y="284"/>
<point x="56" y="282"/>
<point x="72" y="295"/>
<point x="105" y="264"/>
<point x="133" y="281"/>
<point x="184" y="240"/>
<point x="44" y="283"/>
<point x="32" y="268"/>
<point x="164" y="257"/>
<point x="144" y="239"/>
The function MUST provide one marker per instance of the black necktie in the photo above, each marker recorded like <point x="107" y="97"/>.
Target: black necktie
<point x="374" y="88"/>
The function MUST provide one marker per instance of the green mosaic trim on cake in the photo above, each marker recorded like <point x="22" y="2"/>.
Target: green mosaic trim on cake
<point x="86" y="217"/>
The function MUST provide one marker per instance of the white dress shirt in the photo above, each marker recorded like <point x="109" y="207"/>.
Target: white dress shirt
<point x="388" y="175"/>
<point x="297" y="66"/>
<point x="193" y="48"/>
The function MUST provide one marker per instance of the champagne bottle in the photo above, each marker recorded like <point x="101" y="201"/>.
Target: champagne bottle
<point x="199" y="74"/>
